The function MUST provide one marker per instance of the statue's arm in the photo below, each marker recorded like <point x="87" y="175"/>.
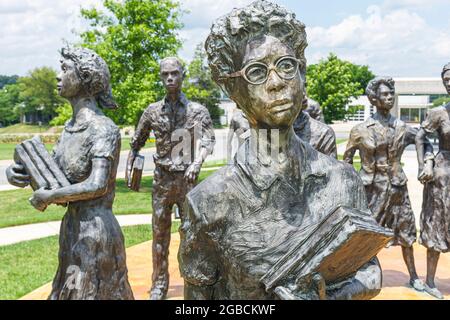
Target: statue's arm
<point x="352" y="146"/>
<point x="96" y="185"/>
<point x="196" y="256"/>
<point x="142" y="131"/>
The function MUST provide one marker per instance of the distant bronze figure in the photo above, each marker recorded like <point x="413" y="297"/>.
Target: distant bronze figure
<point x="319" y="135"/>
<point x="312" y="107"/>
<point x="435" y="175"/>
<point x="239" y="126"/>
<point x="92" y="262"/>
<point x="292" y="224"/>
<point x="381" y="140"/>
<point x="176" y="170"/>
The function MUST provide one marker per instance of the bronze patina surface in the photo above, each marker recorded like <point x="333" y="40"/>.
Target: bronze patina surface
<point x="176" y="170"/>
<point x="92" y="262"/>
<point x="244" y="221"/>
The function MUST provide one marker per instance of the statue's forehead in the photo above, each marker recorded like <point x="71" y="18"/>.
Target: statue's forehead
<point x="169" y="65"/>
<point x="265" y="49"/>
<point x="384" y="88"/>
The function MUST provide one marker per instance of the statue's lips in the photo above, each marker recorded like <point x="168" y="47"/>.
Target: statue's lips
<point x="280" y="105"/>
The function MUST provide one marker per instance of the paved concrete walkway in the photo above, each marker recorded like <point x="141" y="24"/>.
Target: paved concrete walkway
<point x="395" y="275"/>
<point x="17" y="234"/>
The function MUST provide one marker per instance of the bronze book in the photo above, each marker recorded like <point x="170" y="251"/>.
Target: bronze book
<point x="136" y="173"/>
<point x="40" y="165"/>
<point x="337" y="247"/>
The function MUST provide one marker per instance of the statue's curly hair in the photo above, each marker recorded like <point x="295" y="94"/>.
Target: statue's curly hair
<point x="94" y="74"/>
<point x="372" y="87"/>
<point x="230" y="34"/>
<point x="445" y="69"/>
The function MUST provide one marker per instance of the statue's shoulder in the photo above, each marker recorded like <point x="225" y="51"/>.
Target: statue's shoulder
<point x="105" y="125"/>
<point x="212" y="199"/>
<point x="197" y="107"/>
<point x="321" y="127"/>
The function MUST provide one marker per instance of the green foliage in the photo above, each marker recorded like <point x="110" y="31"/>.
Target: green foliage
<point x="333" y="82"/>
<point x="38" y="92"/>
<point x="200" y="87"/>
<point x="441" y="101"/>
<point x="9" y="104"/>
<point x="133" y="36"/>
<point x="64" y="113"/>
<point x="5" y="80"/>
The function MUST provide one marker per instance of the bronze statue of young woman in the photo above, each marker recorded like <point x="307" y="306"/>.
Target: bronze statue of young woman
<point x="92" y="263"/>
<point x="242" y="220"/>
<point x="435" y="175"/>
<point x="381" y="140"/>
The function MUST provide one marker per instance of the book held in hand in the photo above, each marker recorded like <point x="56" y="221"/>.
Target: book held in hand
<point x="39" y="165"/>
<point x="344" y="241"/>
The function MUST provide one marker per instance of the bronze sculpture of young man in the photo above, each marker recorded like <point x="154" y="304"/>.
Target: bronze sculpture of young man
<point x="435" y="175"/>
<point x="381" y="141"/>
<point x="176" y="170"/>
<point x="241" y="222"/>
<point x="92" y="262"/>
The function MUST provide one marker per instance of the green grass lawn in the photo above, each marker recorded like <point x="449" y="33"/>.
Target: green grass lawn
<point x="28" y="265"/>
<point x="126" y="144"/>
<point x="7" y="149"/>
<point x="339" y="141"/>
<point x="25" y="128"/>
<point x="16" y="210"/>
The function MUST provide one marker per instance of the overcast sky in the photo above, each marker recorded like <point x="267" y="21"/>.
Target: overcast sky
<point x="408" y="38"/>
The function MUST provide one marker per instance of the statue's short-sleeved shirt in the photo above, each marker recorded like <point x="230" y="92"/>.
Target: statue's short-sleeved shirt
<point x="243" y="219"/>
<point x="97" y="137"/>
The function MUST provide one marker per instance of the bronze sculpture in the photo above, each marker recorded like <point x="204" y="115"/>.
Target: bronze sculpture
<point x="435" y="175"/>
<point x="92" y="262"/>
<point x="176" y="171"/>
<point x="381" y="141"/>
<point x="312" y="107"/>
<point x="239" y="126"/>
<point x="244" y="220"/>
<point x="319" y="135"/>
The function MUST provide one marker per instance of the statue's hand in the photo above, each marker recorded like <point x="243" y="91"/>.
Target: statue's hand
<point x="312" y="288"/>
<point x="41" y="199"/>
<point x="427" y="174"/>
<point x="131" y="157"/>
<point x="192" y="172"/>
<point x="17" y="176"/>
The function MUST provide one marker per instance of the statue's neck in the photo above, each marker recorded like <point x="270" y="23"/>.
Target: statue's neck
<point x="79" y="105"/>
<point x="273" y="145"/>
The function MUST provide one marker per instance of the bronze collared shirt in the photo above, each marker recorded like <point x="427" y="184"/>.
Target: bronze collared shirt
<point x="164" y="119"/>
<point x="243" y="219"/>
<point x="381" y="147"/>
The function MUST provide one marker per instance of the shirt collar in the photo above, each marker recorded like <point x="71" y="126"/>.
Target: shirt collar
<point x="263" y="177"/>
<point x="373" y="120"/>
<point x="181" y="100"/>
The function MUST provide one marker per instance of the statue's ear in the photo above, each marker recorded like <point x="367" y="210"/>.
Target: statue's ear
<point x="86" y="76"/>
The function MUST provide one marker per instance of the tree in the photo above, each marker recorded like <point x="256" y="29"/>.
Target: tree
<point x="133" y="36"/>
<point x="5" y="80"/>
<point x="200" y="87"/>
<point x="9" y="105"/>
<point x="333" y="83"/>
<point x="38" y="92"/>
<point x="441" y="101"/>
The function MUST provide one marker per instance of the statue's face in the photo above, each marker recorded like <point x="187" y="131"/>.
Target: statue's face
<point x="385" y="97"/>
<point x="446" y="80"/>
<point x="277" y="102"/>
<point x="69" y="83"/>
<point x="171" y="76"/>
